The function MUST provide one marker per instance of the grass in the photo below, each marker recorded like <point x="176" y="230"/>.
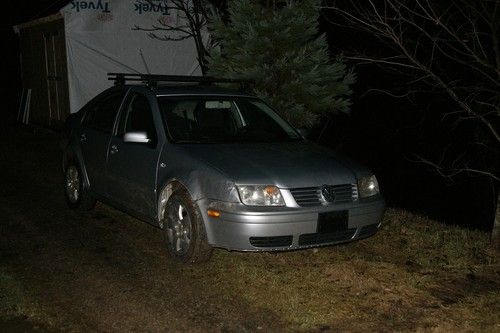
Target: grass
<point x="389" y="278"/>
<point x="10" y="296"/>
<point x="18" y="312"/>
<point x="414" y="275"/>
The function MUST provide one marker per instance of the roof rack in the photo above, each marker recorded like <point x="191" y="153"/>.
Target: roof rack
<point x="152" y="79"/>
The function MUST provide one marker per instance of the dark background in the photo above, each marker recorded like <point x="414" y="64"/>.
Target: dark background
<point x="382" y="132"/>
<point x="388" y="134"/>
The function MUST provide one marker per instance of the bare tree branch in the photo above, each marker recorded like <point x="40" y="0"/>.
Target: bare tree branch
<point x="449" y="47"/>
<point x="191" y="24"/>
<point x="453" y="172"/>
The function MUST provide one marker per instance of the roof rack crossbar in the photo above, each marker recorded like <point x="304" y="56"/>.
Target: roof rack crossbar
<point x="153" y="79"/>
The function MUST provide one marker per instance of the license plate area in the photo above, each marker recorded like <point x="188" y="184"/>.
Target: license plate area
<point x="332" y="222"/>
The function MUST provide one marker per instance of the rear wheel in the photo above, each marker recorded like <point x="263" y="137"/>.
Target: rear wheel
<point x="185" y="232"/>
<point x="77" y="196"/>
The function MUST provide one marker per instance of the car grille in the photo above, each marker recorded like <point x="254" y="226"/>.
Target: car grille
<point x="311" y="196"/>
<point x="277" y="241"/>
<point x="317" y="239"/>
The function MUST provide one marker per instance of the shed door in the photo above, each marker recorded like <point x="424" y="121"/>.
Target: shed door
<point x="56" y="81"/>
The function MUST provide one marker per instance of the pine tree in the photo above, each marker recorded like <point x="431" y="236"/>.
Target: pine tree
<point x="279" y="47"/>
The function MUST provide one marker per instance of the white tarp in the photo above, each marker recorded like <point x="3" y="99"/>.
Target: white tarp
<point x="100" y="38"/>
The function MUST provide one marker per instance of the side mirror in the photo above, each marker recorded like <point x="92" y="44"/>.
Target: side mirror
<point x="136" y="137"/>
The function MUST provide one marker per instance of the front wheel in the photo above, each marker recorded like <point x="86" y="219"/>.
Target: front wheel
<point x="185" y="232"/>
<point x="77" y="196"/>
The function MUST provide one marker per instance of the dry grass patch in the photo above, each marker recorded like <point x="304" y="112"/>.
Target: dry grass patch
<point x="414" y="275"/>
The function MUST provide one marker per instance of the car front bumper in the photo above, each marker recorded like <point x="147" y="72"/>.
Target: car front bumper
<point x="244" y="228"/>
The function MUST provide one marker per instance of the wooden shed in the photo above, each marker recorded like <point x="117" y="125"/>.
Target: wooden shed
<point x="65" y="57"/>
<point x="43" y="70"/>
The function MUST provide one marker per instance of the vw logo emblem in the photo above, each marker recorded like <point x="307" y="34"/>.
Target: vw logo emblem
<point x="328" y="193"/>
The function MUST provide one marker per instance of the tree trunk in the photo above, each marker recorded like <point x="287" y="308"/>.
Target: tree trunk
<point x="495" y="235"/>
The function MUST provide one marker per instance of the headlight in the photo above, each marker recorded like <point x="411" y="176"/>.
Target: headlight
<point x="368" y="187"/>
<point x="260" y="195"/>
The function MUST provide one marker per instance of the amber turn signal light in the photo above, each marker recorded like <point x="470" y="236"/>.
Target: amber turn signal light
<point x="213" y="213"/>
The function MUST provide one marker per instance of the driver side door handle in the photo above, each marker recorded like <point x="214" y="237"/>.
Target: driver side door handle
<point x="114" y="149"/>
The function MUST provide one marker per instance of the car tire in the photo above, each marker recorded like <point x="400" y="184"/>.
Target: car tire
<point x="185" y="233"/>
<point x="77" y="195"/>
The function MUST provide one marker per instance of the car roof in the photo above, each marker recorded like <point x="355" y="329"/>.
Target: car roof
<point x="196" y="89"/>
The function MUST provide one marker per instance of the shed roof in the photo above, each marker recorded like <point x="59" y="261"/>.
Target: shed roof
<point x="39" y="21"/>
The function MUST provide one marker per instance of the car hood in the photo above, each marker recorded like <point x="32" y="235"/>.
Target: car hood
<point x="287" y="165"/>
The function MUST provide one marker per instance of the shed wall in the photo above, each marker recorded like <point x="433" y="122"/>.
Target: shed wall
<point x="44" y="71"/>
<point x="102" y="37"/>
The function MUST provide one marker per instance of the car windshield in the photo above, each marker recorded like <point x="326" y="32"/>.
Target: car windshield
<point x="202" y="119"/>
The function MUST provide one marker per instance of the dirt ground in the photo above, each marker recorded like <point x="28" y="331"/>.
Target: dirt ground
<point x="62" y="270"/>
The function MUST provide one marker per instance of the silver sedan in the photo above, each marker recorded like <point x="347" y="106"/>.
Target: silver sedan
<point x="214" y="168"/>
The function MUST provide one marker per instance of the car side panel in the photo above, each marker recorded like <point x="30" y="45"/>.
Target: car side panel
<point x="132" y="176"/>
<point x="94" y="145"/>
<point x="87" y="146"/>
<point x="132" y="168"/>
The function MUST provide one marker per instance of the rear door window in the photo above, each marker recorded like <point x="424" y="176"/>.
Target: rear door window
<point x="102" y="114"/>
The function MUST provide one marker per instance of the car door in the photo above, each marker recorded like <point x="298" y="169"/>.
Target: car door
<point x="132" y="167"/>
<point x="95" y="135"/>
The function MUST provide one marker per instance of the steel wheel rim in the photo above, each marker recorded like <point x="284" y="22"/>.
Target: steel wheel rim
<point x="73" y="184"/>
<point x="178" y="228"/>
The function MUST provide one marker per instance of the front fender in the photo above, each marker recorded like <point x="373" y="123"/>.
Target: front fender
<point x="199" y="179"/>
<point x="199" y="183"/>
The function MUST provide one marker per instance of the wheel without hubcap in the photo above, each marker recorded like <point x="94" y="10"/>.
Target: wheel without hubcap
<point x="72" y="184"/>
<point x="178" y="228"/>
<point x="184" y="229"/>
<point x="77" y="196"/>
